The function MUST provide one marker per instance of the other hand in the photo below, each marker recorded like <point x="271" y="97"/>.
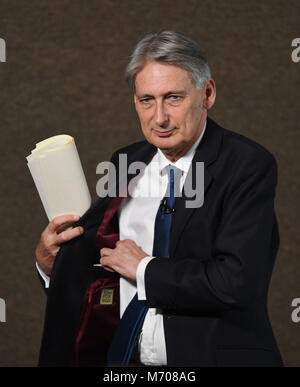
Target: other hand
<point x="124" y="258"/>
<point x="52" y="237"/>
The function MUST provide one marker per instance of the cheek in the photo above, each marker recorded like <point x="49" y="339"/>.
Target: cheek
<point x="144" y="117"/>
<point x="192" y="119"/>
<point x="146" y="127"/>
<point x="183" y="122"/>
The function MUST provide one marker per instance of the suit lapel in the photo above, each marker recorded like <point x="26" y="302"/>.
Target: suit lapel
<point x="207" y="152"/>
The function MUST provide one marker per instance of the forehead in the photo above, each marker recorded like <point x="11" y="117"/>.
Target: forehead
<point x="157" y="78"/>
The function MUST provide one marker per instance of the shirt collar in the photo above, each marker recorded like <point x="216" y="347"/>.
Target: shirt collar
<point x="184" y="162"/>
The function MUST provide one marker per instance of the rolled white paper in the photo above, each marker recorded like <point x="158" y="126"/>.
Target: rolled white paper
<point x="58" y="175"/>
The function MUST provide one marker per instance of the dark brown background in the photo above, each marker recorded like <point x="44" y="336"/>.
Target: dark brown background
<point x="64" y="74"/>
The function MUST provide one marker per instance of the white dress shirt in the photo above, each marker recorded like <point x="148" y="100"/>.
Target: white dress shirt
<point x="137" y="214"/>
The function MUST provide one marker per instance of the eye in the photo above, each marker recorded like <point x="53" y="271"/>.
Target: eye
<point x="146" y="101"/>
<point x="174" y="99"/>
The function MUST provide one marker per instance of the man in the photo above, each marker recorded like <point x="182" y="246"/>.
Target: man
<point x="189" y="281"/>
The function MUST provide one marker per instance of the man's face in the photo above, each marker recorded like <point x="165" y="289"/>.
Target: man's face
<point x="172" y="111"/>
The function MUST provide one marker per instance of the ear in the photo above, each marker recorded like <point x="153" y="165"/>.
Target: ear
<point x="210" y="94"/>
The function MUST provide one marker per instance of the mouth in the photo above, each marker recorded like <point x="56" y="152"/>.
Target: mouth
<point x="163" y="133"/>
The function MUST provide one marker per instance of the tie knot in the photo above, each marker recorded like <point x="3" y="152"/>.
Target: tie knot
<point x="173" y="172"/>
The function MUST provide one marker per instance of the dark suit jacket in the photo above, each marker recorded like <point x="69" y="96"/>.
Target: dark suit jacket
<point x="213" y="288"/>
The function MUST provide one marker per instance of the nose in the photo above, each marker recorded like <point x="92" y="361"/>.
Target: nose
<point x="161" y="116"/>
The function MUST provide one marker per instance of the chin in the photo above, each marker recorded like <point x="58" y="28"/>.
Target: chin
<point x="164" y="143"/>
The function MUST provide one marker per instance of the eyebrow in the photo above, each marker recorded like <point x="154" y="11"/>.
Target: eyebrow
<point x="171" y="92"/>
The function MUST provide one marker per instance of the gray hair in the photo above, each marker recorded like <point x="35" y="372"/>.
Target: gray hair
<point x="173" y="48"/>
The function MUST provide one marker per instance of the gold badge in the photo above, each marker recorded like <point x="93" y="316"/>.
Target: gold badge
<point x="107" y="297"/>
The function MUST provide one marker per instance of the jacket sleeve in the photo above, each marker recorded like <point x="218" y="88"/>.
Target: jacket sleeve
<point x="243" y="251"/>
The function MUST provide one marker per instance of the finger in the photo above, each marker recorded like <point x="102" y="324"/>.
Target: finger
<point x="59" y="220"/>
<point x="69" y="234"/>
<point x="107" y="261"/>
<point x="105" y="251"/>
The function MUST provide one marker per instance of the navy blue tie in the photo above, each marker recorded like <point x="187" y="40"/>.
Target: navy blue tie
<point x="121" y="348"/>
